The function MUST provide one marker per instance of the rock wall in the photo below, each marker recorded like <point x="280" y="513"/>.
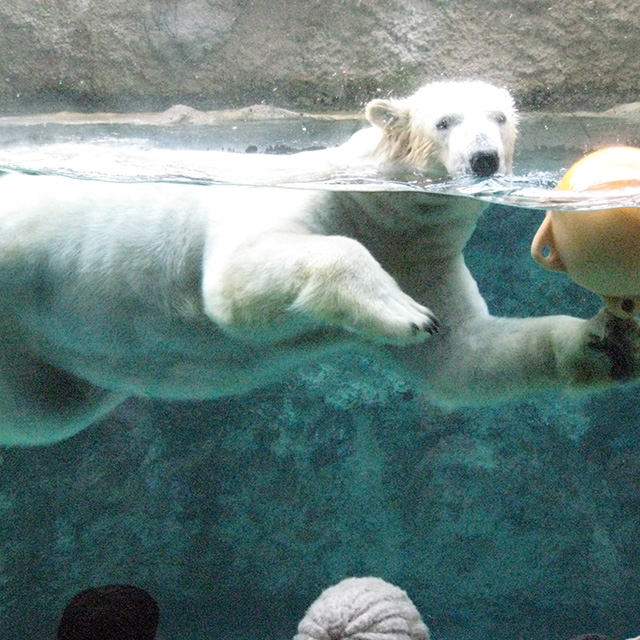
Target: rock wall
<point x="308" y="54"/>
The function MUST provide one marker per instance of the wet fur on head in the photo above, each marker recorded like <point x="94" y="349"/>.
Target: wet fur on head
<point x="399" y="142"/>
<point x="417" y="131"/>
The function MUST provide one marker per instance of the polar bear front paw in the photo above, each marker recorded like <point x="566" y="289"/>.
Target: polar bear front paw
<point x="600" y="351"/>
<point x="619" y="340"/>
<point x="357" y="294"/>
<point x="396" y="321"/>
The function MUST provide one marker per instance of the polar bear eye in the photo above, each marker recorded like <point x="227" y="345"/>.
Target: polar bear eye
<point x="500" y="118"/>
<point x="444" y="123"/>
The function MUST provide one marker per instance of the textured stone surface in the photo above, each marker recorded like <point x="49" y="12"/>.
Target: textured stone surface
<point x="310" y="55"/>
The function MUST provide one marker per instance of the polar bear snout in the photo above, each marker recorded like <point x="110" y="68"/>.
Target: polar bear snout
<point x="481" y="158"/>
<point x="484" y="163"/>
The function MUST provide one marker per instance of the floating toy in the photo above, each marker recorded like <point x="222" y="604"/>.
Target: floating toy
<point x="599" y="250"/>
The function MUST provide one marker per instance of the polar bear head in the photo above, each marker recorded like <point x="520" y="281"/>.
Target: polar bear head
<point x="448" y="129"/>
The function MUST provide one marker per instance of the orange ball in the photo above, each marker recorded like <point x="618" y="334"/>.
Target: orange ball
<point x="600" y="250"/>
<point x="610" y="168"/>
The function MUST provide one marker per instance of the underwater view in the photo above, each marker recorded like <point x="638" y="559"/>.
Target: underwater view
<point x="508" y="515"/>
<point x="237" y="512"/>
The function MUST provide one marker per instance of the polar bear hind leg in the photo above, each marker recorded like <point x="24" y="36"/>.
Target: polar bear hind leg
<point x="40" y="404"/>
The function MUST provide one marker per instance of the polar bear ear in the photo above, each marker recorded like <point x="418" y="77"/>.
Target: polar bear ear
<point x="387" y="114"/>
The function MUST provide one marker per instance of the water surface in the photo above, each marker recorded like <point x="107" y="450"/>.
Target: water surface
<point x="191" y="154"/>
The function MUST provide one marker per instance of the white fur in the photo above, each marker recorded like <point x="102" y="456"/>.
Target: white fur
<point x="440" y="127"/>
<point x="362" y="609"/>
<point x="181" y="291"/>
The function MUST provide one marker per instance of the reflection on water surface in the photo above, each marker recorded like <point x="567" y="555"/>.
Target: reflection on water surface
<point x="548" y="145"/>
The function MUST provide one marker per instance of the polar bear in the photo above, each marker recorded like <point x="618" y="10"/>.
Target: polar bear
<point x="198" y="291"/>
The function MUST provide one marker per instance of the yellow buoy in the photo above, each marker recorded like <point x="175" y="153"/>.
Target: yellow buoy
<point x="600" y="250"/>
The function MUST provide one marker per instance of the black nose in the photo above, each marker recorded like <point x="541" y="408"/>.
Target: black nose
<point x="485" y="163"/>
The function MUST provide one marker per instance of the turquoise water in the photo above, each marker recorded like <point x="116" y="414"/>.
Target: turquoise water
<point x="514" y="521"/>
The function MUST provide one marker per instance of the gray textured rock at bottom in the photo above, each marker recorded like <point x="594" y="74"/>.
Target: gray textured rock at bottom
<point x="362" y="609"/>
